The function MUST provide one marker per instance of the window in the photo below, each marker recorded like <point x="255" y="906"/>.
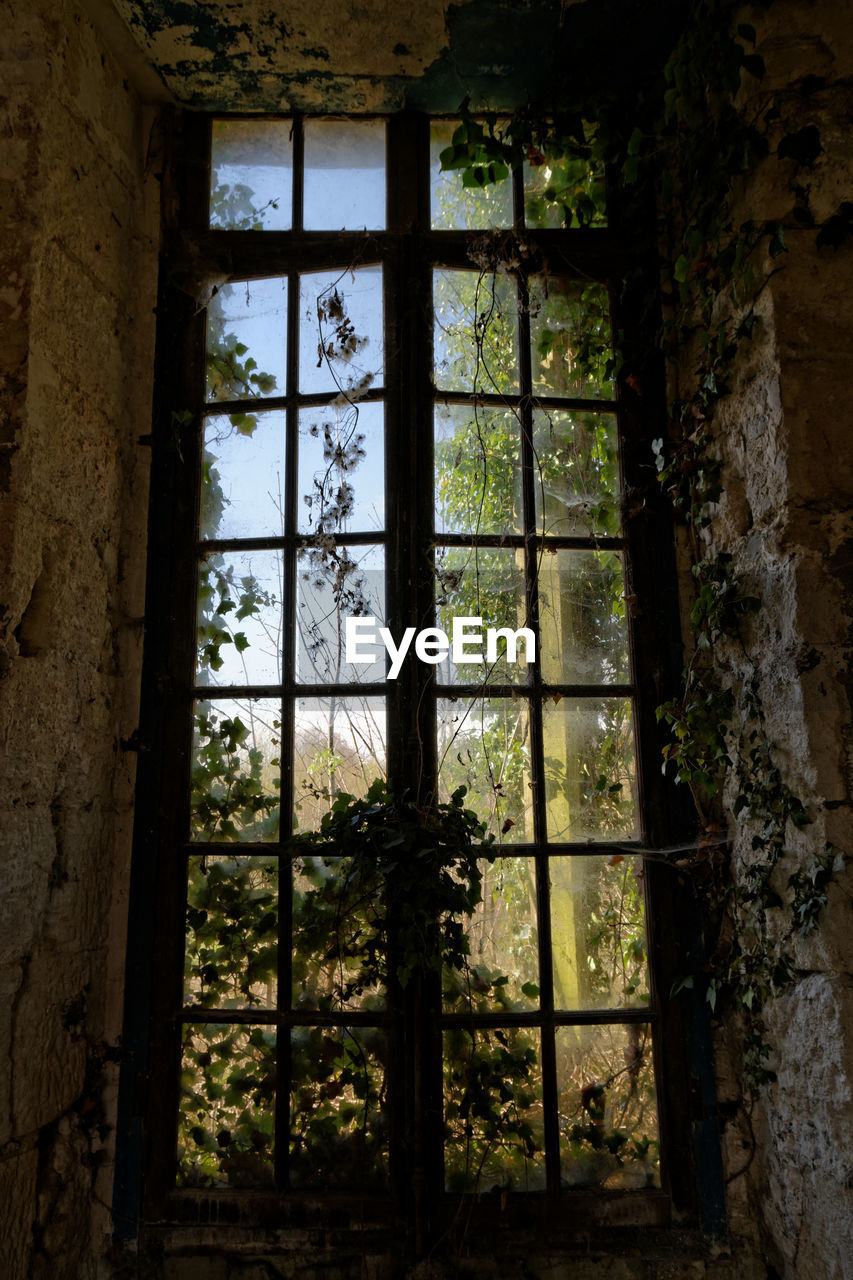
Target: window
<point x="392" y="400"/>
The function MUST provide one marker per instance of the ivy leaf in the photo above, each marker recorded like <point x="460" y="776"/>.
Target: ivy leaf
<point x="680" y="269"/>
<point x="803" y="147"/>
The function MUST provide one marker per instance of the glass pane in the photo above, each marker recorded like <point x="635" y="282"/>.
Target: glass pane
<point x="344" y="175"/>
<point x="339" y="746"/>
<point x="227" y="1109"/>
<point x="502" y="935"/>
<point x="247" y="342"/>
<point x="236" y="774"/>
<point x="484" y="745"/>
<point x="584" y="633"/>
<point x="480" y="592"/>
<point x="590" y="785"/>
<point x="232" y="932"/>
<point x="477" y="470"/>
<point x="494" y="1135"/>
<point x="571" y="349"/>
<point x="338" y="1125"/>
<point x="598" y="932"/>
<point x="457" y="207"/>
<point x="334" y="588"/>
<point x="340" y="334"/>
<point x="476" y="332"/>
<point x="242" y="484"/>
<point x="239" y="633"/>
<point x="342" y="468"/>
<point x="251" y="175"/>
<point x="339" y="936"/>
<point x="607" y="1107"/>
<point x="563" y="191"/>
<point x="576" y="475"/>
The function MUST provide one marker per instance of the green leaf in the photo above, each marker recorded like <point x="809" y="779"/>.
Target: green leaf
<point x="635" y="142"/>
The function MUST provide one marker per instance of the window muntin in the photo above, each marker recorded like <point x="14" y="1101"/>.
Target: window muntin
<point x="548" y="549"/>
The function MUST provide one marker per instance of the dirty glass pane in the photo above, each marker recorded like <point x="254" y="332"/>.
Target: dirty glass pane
<point x="236" y="773"/>
<point x="242" y="484"/>
<point x="483" y="588"/>
<point x="231" y="932"/>
<point x="239" y="620"/>
<point x="333" y="586"/>
<point x="477" y="470"/>
<point x="584" y="633"/>
<point x="475" y="332"/>
<point x="251" y="175"/>
<point x="576" y="473"/>
<point x="493" y="1110"/>
<point x="339" y="746"/>
<point x="340" y="332"/>
<point x="339" y="938"/>
<point x="571" y="348"/>
<point x="590" y="784"/>
<point x="338" y="1121"/>
<point x="226" y="1119"/>
<point x="502" y="936"/>
<point x="563" y="191"/>
<point x="607" y="1107"/>
<point x="341" y="475"/>
<point x="344" y="175"/>
<point x="484" y="745"/>
<point x="246" y="354"/>
<point x="457" y="207"/>
<point x="598" y="932"/>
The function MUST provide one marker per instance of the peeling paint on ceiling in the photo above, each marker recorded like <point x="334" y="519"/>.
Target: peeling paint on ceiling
<point x="345" y="55"/>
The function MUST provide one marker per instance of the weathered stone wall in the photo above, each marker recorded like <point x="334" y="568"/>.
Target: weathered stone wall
<point x="78" y="219"/>
<point x="786" y="518"/>
<point x="77" y="279"/>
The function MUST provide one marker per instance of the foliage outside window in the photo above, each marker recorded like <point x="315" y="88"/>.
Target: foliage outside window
<point x="458" y="840"/>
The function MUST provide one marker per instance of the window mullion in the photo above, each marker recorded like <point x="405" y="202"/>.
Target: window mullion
<point x="537" y="751"/>
<point x="287" y="716"/>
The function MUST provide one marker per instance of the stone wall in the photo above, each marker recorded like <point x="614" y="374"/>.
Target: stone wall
<point x="786" y="517"/>
<point x="78" y="229"/>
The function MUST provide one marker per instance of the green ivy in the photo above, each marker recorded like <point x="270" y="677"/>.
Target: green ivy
<point x="683" y="127"/>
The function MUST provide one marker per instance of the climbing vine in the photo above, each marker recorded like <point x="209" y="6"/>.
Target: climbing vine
<point x="695" y="126"/>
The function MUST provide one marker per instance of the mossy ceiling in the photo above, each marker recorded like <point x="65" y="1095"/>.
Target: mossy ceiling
<point x="345" y="55"/>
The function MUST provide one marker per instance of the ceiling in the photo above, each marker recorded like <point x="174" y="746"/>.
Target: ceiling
<point x="340" y="55"/>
